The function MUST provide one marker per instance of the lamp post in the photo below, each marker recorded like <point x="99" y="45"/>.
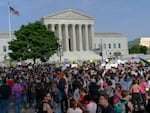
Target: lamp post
<point x="60" y="54"/>
<point x="102" y="49"/>
<point x="60" y="51"/>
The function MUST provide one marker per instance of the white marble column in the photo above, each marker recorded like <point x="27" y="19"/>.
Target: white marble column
<point x="56" y="31"/>
<point x="60" y="32"/>
<point x="91" y="35"/>
<point x="86" y="37"/>
<point x="80" y="38"/>
<point x="74" y="37"/>
<point x="49" y="26"/>
<point x="53" y="27"/>
<point x="66" y="38"/>
<point x="63" y="37"/>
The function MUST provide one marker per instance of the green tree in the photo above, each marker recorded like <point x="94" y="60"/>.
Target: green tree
<point x="33" y="41"/>
<point x="138" y="49"/>
<point x="116" y="54"/>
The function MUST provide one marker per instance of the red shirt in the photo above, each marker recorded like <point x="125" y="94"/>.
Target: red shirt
<point x="10" y="82"/>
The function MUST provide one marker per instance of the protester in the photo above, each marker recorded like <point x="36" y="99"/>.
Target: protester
<point x="5" y="93"/>
<point x="31" y="93"/>
<point x="16" y="93"/>
<point x="143" y="85"/>
<point x="57" y="97"/>
<point x="126" y="97"/>
<point x="81" y="100"/>
<point x="117" y="95"/>
<point x="74" y="107"/>
<point x="47" y="107"/>
<point x="104" y="102"/>
<point x="10" y="81"/>
<point x="24" y="88"/>
<point x="91" y="105"/>
<point x="63" y="88"/>
<point x="110" y="92"/>
<point x="136" y="94"/>
<point x="94" y="89"/>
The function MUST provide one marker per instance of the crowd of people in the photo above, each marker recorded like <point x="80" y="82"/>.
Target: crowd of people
<point x="89" y="87"/>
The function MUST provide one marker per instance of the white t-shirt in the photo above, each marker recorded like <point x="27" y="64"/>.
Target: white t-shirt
<point x="77" y="110"/>
<point x="92" y="107"/>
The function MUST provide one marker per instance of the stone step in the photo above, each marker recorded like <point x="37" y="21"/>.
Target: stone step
<point x="76" y="55"/>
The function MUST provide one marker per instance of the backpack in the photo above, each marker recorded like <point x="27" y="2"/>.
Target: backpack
<point x="120" y="107"/>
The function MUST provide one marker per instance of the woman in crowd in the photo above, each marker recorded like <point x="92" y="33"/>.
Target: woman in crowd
<point x="143" y="85"/>
<point x="81" y="100"/>
<point x="117" y="95"/>
<point x="91" y="105"/>
<point x="136" y="94"/>
<point x="57" y="97"/>
<point x="74" y="107"/>
<point x="110" y="92"/>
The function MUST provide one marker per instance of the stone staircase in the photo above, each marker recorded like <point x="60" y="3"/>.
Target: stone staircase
<point x="73" y="56"/>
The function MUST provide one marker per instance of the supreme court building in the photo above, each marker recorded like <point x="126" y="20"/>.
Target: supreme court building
<point x="77" y="39"/>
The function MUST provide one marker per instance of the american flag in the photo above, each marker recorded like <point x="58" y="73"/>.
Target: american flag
<point x="12" y="10"/>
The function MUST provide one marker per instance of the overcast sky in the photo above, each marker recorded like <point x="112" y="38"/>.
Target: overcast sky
<point x="130" y="17"/>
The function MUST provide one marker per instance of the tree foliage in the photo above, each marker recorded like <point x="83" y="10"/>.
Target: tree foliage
<point x="33" y="41"/>
<point x="116" y="54"/>
<point x="138" y="49"/>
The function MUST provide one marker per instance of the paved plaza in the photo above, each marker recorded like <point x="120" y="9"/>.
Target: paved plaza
<point x="12" y="110"/>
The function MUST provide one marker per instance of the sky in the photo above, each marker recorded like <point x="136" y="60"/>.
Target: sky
<point x="130" y="17"/>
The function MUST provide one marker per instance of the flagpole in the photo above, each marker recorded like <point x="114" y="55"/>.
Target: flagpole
<point x="9" y="21"/>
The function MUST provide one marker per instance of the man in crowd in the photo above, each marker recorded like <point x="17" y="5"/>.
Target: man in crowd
<point x="47" y="98"/>
<point x="104" y="102"/>
<point x="5" y="93"/>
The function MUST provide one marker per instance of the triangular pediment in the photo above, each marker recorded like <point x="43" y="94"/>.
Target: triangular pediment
<point x="69" y="14"/>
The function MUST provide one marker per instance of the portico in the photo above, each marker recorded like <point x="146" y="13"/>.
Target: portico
<point x="73" y="29"/>
<point x="74" y="37"/>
